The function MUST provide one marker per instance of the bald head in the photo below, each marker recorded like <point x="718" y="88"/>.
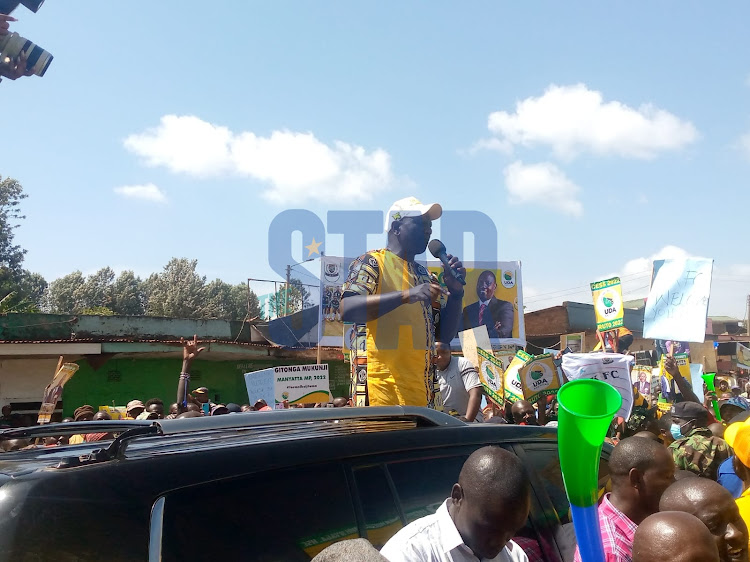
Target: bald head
<point x="492" y="474"/>
<point x="641" y="469"/>
<point x="690" y="494"/>
<point x="673" y="536"/>
<point x="491" y="500"/>
<point x="715" y="507"/>
<point x="647" y="435"/>
<point x="346" y="551"/>
<point x="635" y="452"/>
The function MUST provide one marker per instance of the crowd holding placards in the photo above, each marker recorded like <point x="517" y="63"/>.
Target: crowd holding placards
<point x="680" y="464"/>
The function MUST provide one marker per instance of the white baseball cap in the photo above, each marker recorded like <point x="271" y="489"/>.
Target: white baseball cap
<point x="411" y="207"/>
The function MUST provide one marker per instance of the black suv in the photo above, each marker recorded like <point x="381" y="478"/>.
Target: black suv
<point x="268" y="486"/>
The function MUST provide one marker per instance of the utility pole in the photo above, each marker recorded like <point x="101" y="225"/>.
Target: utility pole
<point x="747" y="316"/>
<point x="286" y="290"/>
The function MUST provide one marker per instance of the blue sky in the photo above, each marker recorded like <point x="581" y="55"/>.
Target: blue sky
<point x="595" y="136"/>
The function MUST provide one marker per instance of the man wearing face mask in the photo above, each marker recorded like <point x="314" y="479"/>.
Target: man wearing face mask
<point x="695" y="448"/>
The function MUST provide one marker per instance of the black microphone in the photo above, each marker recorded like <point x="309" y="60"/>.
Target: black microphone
<point x="437" y="249"/>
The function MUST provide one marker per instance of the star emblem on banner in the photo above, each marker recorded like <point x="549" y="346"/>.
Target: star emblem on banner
<point x="313" y="247"/>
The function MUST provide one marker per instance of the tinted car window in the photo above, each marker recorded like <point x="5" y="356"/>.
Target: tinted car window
<point x="382" y="519"/>
<point x="546" y="462"/>
<point x="424" y="484"/>
<point x="285" y="515"/>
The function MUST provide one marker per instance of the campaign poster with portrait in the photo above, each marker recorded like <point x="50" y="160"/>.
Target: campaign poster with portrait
<point x="640" y="376"/>
<point x="493" y="297"/>
<point x="53" y="391"/>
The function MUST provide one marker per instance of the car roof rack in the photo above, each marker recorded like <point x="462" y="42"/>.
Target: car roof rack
<point x="424" y="417"/>
<point x="72" y="428"/>
<point x="129" y="430"/>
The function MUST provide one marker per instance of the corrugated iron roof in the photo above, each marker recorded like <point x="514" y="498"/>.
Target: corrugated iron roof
<point x="131" y="340"/>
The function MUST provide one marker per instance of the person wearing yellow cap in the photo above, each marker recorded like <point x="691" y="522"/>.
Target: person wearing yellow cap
<point x="737" y="437"/>
<point x="396" y="303"/>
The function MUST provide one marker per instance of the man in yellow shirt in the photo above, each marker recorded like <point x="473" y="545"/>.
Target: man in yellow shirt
<point x="396" y="302"/>
<point x="737" y="436"/>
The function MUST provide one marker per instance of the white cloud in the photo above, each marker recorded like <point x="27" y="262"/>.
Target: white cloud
<point x="573" y="120"/>
<point x="636" y="273"/>
<point x="494" y="144"/>
<point x="544" y="184"/>
<point x="145" y="192"/>
<point x="639" y="265"/>
<point x="295" y="166"/>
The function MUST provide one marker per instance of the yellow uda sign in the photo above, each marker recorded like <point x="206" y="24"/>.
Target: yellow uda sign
<point x="608" y="304"/>
<point x="539" y="378"/>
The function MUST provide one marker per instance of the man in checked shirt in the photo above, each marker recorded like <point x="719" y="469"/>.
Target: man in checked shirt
<point x="641" y="469"/>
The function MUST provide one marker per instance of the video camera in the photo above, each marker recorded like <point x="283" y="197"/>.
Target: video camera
<point x="12" y="45"/>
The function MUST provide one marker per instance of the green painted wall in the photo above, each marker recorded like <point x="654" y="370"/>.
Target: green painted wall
<point x="122" y="380"/>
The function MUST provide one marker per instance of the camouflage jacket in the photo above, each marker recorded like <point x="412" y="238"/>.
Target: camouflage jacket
<point x="700" y="452"/>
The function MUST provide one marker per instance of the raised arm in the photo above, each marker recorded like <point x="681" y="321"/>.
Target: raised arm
<point x="670" y="365"/>
<point x="190" y="351"/>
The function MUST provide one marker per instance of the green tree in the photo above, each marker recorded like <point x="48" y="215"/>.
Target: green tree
<point x="128" y="295"/>
<point x="229" y="302"/>
<point x="66" y="294"/>
<point x="298" y="295"/>
<point x="11" y="195"/>
<point x="20" y="290"/>
<point x="98" y="290"/>
<point x="21" y="293"/>
<point x="178" y="291"/>
<point x="98" y="311"/>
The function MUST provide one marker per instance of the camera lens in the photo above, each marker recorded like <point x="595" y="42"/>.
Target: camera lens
<point x="38" y="59"/>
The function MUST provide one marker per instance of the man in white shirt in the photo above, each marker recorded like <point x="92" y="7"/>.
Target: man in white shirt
<point x="459" y="384"/>
<point x="487" y="507"/>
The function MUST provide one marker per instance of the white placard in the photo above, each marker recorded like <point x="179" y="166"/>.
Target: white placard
<point x="612" y="368"/>
<point x="677" y="303"/>
<point x="295" y="384"/>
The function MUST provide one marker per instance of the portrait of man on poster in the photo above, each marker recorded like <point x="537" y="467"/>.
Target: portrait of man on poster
<point x="489" y="311"/>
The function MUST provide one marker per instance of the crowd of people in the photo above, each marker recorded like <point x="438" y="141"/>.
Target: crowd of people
<point x="189" y="404"/>
<point x="679" y="477"/>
